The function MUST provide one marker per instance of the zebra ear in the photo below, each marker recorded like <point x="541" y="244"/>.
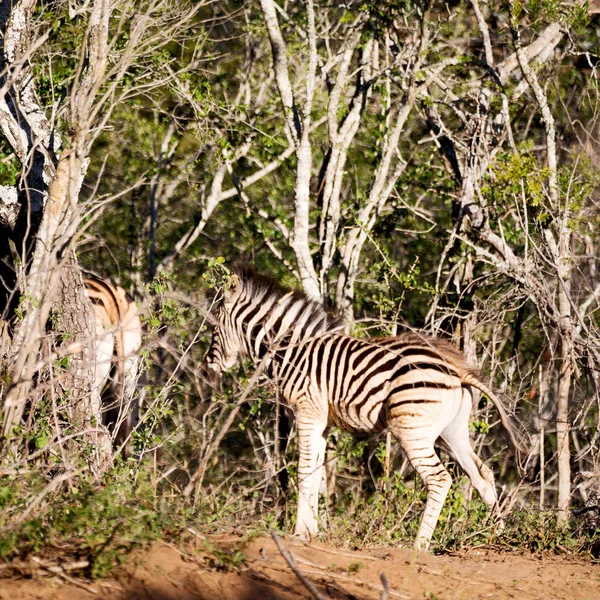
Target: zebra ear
<point x="232" y="289"/>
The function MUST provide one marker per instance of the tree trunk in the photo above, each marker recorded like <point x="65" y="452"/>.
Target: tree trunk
<point x="75" y="318"/>
<point x="49" y="284"/>
<point x="563" y="450"/>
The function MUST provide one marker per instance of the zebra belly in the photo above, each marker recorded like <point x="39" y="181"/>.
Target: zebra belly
<point x="364" y="415"/>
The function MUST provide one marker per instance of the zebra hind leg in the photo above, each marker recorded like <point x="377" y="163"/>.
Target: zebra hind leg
<point x="456" y="436"/>
<point x="419" y="449"/>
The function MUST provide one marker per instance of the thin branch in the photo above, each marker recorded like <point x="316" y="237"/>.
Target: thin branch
<point x="280" y="66"/>
<point x="485" y="33"/>
<point x="542" y="101"/>
<point x="293" y="565"/>
<point x="196" y="478"/>
<point x="548" y="38"/>
<point x="593" y="297"/>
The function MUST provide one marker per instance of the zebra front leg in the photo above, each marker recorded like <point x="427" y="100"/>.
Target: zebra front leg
<point x="312" y="443"/>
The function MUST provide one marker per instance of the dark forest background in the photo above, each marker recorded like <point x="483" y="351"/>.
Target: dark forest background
<point x="413" y="165"/>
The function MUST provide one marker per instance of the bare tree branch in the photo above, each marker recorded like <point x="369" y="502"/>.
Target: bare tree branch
<point x="280" y="66"/>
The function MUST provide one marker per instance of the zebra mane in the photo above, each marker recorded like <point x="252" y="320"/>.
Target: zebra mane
<point x="262" y="285"/>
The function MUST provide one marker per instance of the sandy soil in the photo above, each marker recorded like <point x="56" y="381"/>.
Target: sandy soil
<point x="165" y="572"/>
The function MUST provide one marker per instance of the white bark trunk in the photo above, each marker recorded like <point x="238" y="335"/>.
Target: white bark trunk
<point x="561" y="256"/>
<point x="299" y="130"/>
<point x="280" y="66"/>
<point x="340" y="140"/>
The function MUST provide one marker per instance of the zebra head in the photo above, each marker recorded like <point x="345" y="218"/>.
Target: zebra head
<point x="227" y="344"/>
<point x="257" y="317"/>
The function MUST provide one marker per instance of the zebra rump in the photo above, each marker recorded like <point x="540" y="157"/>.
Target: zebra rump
<point x="418" y="387"/>
<point x="117" y="343"/>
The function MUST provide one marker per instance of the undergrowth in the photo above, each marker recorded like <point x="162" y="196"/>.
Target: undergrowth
<point x="98" y="523"/>
<point x="391" y="516"/>
<point x="102" y="523"/>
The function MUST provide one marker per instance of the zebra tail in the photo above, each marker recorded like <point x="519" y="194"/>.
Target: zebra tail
<point x="516" y="437"/>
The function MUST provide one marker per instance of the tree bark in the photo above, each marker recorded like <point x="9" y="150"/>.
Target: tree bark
<point x="75" y="320"/>
<point x="75" y="317"/>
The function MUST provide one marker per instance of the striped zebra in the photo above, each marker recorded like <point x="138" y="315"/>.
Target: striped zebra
<point x="417" y="386"/>
<point x="118" y="340"/>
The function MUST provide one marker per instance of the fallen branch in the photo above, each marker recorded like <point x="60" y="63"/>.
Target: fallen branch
<point x="59" y="569"/>
<point x="354" y="555"/>
<point x="38" y="566"/>
<point x="291" y="561"/>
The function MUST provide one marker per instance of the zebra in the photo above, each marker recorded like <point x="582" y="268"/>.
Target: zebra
<point x="118" y="338"/>
<point x="418" y="387"/>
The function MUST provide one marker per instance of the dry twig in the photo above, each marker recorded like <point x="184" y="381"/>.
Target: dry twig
<point x="386" y="587"/>
<point x="291" y="561"/>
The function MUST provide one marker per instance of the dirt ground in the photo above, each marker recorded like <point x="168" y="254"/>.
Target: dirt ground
<point x="165" y="572"/>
